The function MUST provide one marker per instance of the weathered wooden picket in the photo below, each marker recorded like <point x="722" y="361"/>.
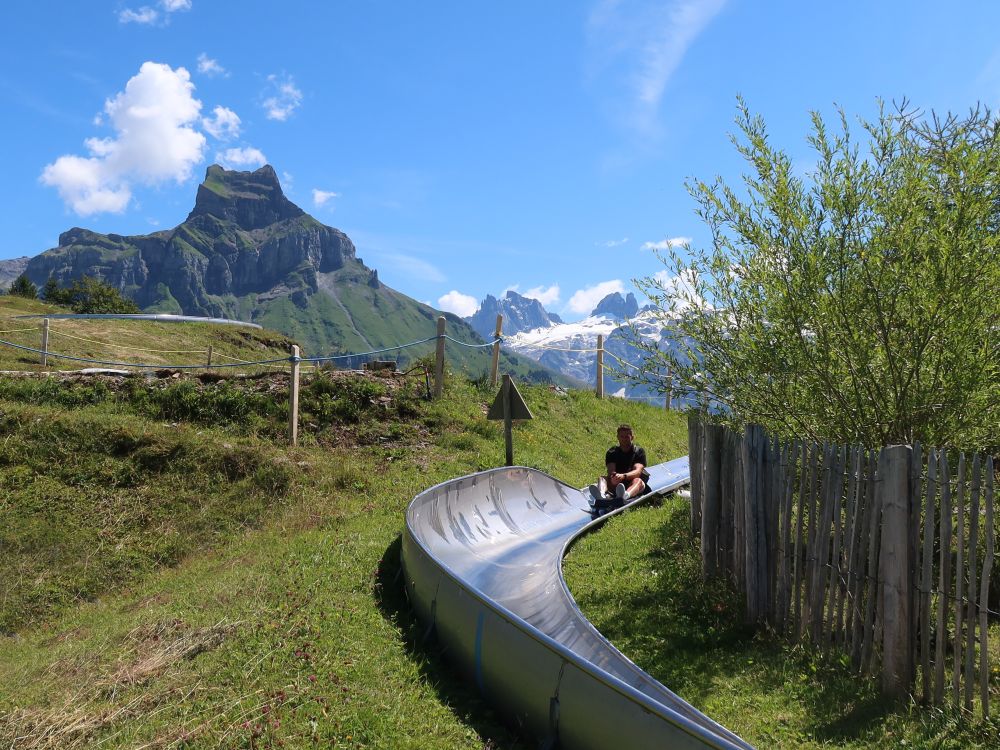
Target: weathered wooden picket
<point x="886" y="555"/>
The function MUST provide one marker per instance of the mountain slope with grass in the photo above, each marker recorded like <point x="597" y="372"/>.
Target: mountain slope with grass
<point x="174" y="575"/>
<point x="179" y="575"/>
<point x="128" y="341"/>
<point x="247" y="252"/>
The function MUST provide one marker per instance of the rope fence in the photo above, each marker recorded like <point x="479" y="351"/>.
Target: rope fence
<point x="618" y="364"/>
<point x="216" y="360"/>
<point x="293" y="362"/>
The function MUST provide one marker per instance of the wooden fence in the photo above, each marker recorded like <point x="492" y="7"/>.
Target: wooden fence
<point x="885" y="555"/>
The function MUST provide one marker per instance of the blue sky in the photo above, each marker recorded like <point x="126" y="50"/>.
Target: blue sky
<point x="465" y="147"/>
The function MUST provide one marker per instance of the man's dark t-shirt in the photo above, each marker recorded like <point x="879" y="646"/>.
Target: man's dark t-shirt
<point x="625" y="460"/>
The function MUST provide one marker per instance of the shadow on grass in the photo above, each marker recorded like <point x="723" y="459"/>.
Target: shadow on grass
<point x="461" y="698"/>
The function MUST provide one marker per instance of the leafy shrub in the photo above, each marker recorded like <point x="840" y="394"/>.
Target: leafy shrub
<point x="89" y="296"/>
<point x="327" y="401"/>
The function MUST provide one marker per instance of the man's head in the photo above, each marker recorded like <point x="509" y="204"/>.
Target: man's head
<point x="625" y="436"/>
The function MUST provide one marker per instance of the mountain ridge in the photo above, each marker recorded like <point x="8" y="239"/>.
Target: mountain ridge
<point x="569" y="348"/>
<point x="247" y="252"/>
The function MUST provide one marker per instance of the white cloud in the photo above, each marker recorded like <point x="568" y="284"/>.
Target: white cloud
<point x="209" y="66"/>
<point x="287" y="180"/>
<point x="648" y="41"/>
<point x="461" y="304"/>
<point x="585" y="300"/>
<point x="145" y="15"/>
<point x="154" y="142"/>
<point x="546" y="296"/>
<point x="85" y="187"/>
<point x="322" y="197"/>
<point x="224" y="124"/>
<point x="284" y="98"/>
<point x="233" y="158"/>
<point x="148" y="16"/>
<point x="615" y="243"/>
<point x="666" y="244"/>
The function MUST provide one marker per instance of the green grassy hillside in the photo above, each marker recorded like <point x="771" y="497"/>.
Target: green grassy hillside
<point x="178" y="576"/>
<point x="174" y="575"/>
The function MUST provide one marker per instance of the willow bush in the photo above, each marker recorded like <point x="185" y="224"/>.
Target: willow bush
<point x="858" y="302"/>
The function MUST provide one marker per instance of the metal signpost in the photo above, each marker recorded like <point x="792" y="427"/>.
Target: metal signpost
<point x="508" y="406"/>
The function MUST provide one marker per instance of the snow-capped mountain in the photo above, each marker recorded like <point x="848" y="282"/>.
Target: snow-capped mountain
<point x="570" y="348"/>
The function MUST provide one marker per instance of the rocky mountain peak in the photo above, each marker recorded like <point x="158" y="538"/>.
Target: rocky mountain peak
<point x="617" y="307"/>
<point x="520" y="313"/>
<point x="251" y="200"/>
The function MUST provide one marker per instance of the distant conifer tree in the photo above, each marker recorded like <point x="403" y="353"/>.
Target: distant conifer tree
<point x="23" y="287"/>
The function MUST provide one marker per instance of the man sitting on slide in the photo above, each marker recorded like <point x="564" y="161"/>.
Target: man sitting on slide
<point x="626" y="465"/>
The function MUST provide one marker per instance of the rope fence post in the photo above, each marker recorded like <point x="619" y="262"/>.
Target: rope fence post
<point x="439" y="360"/>
<point x="293" y="398"/>
<point x="208" y="362"/>
<point x="45" y="342"/>
<point x="600" y="365"/>
<point x="495" y="364"/>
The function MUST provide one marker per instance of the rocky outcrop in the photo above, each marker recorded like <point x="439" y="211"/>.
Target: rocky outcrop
<point x="616" y="307"/>
<point x="243" y="237"/>
<point x="250" y="200"/>
<point x="10" y="270"/>
<point x="519" y="314"/>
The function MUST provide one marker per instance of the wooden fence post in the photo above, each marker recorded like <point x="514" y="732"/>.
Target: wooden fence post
<point x="208" y="363"/>
<point x="600" y="366"/>
<point x="495" y="364"/>
<point x="670" y="390"/>
<point x="855" y="492"/>
<point x="836" y="573"/>
<point x="927" y="561"/>
<point x="727" y="477"/>
<point x="694" y="466"/>
<point x="874" y="500"/>
<point x="970" y="618"/>
<point x="894" y="571"/>
<point x="956" y="671"/>
<point x="293" y="399"/>
<point x="791" y="462"/>
<point x="739" y="517"/>
<point x="916" y="469"/>
<point x="798" y="559"/>
<point x="45" y="342"/>
<point x="755" y="519"/>
<point x="439" y="360"/>
<point x="711" y="495"/>
<point x="944" y="578"/>
<point x="809" y="562"/>
<point x="984" y="594"/>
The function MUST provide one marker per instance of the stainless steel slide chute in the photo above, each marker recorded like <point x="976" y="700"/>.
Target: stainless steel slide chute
<point x="482" y="557"/>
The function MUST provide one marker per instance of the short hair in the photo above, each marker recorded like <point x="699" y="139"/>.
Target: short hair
<point x="624" y="427"/>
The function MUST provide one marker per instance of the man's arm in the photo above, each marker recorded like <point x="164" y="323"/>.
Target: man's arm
<point x="634" y="473"/>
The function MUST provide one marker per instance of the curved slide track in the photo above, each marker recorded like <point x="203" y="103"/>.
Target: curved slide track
<point x="482" y="557"/>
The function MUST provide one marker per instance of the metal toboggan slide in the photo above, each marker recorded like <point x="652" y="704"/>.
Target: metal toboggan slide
<point x="482" y="558"/>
